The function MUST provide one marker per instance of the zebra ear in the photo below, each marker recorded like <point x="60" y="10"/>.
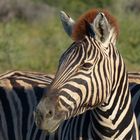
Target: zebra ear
<point x="101" y="27"/>
<point x="67" y="22"/>
<point x="90" y="29"/>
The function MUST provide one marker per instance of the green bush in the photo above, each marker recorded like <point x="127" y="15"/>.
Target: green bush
<point x="37" y="46"/>
<point x="129" y="41"/>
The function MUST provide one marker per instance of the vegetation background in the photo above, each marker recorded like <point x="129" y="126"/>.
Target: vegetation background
<point x="32" y="37"/>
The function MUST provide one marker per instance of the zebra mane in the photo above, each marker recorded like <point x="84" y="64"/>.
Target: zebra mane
<point x="80" y="30"/>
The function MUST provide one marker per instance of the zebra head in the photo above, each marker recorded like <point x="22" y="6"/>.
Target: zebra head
<point x="76" y="30"/>
<point x="83" y="79"/>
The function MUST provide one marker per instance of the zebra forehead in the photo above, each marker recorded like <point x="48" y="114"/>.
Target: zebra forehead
<point x="79" y="29"/>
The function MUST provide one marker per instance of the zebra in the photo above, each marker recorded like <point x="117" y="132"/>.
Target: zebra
<point x="133" y="77"/>
<point x="20" y="91"/>
<point x="91" y="76"/>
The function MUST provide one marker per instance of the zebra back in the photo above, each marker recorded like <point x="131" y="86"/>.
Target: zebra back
<point x="134" y="77"/>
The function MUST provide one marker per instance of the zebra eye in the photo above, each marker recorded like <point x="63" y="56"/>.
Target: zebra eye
<point x="87" y="65"/>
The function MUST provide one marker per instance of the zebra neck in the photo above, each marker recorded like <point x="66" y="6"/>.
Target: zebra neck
<point x="115" y="118"/>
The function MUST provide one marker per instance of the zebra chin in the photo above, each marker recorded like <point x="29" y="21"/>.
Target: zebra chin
<point x="50" y="127"/>
<point x="47" y="117"/>
<point x="47" y="125"/>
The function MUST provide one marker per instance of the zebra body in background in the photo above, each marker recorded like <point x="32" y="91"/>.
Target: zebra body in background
<point x="19" y="93"/>
<point x="91" y="76"/>
<point x="134" y="86"/>
<point x="22" y="91"/>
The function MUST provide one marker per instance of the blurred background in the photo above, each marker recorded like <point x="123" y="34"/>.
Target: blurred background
<point x="32" y="37"/>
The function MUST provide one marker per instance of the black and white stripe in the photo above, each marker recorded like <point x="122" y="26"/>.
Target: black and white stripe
<point x="11" y="108"/>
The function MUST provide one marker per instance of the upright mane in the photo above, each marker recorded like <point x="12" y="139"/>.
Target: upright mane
<point x="79" y="29"/>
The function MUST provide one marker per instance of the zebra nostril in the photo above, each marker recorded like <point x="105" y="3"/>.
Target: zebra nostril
<point x="49" y="114"/>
